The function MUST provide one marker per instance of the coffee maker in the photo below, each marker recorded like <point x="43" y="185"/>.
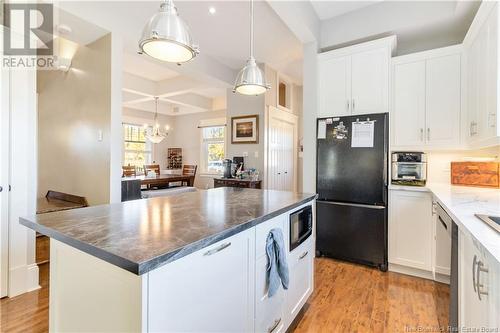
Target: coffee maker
<point x="226" y="164"/>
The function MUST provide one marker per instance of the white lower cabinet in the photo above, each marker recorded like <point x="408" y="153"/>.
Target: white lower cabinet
<point x="300" y="263"/>
<point x="212" y="289"/>
<point x="478" y="285"/>
<point x="410" y="229"/>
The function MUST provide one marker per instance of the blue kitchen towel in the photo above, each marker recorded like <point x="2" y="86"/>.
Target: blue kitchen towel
<point x="277" y="267"/>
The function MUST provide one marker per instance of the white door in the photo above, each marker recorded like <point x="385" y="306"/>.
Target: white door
<point x="408" y="114"/>
<point x="281" y="150"/>
<point x="4" y="180"/>
<point x="334" y="86"/>
<point x="442" y="96"/>
<point x="370" y="81"/>
<point x="472" y="90"/>
<point x="410" y="229"/>
<point x="221" y="275"/>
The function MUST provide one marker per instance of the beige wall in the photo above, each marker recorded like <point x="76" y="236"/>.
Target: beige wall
<point x="73" y="107"/>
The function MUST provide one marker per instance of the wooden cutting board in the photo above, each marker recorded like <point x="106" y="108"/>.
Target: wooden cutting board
<point x="481" y="174"/>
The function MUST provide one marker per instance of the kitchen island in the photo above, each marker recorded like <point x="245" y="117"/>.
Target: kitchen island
<point x="192" y="262"/>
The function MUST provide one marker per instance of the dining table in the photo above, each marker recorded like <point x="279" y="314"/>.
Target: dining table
<point x="162" y="179"/>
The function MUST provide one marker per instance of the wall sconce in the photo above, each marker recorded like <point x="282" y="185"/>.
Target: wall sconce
<point x="63" y="64"/>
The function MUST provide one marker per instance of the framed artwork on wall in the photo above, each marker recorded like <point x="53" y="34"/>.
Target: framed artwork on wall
<point x="245" y="129"/>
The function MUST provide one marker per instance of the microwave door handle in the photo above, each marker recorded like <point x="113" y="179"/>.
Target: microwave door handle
<point x="304" y="236"/>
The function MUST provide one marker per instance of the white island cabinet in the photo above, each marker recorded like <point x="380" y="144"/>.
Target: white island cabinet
<point x="221" y="287"/>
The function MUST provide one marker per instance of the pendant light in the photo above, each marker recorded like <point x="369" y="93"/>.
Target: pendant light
<point x="166" y="36"/>
<point x="156" y="136"/>
<point x="250" y="80"/>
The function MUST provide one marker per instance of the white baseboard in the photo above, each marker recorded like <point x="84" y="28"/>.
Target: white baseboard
<point x="23" y="279"/>
<point x="411" y="271"/>
<point x="443" y="278"/>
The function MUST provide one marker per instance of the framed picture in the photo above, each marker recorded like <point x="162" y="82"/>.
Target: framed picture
<point x="245" y="129"/>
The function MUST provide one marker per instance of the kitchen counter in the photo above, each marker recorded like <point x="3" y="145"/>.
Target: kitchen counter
<point x="142" y="235"/>
<point x="462" y="202"/>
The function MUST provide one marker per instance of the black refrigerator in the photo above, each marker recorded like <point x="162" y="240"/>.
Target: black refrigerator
<point x="351" y="182"/>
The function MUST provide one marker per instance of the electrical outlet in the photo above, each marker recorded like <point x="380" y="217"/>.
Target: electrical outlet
<point x="245" y="154"/>
<point x="256" y="154"/>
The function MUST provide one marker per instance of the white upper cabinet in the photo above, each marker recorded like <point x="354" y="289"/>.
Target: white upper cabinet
<point x="335" y="86"/>
<point x="355" y="79"/>
<point x="409" y="101"/>
<point x="481" y="51"/>
<point x="370" y="81"/>
<point x="426" y="99"/>
<point x="442" y="100"/>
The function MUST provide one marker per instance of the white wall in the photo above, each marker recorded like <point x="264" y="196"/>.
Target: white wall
<point x="438" y="164"/>
<point x="310" y="98"/>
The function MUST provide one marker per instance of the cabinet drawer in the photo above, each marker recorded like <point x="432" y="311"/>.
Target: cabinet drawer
<point x="262" y="230"/>
<point x="269" y="311"/>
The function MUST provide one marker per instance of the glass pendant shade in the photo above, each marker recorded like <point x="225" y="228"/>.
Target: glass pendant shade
<point x="156" y="136"/>
<point x="166" y="36"/>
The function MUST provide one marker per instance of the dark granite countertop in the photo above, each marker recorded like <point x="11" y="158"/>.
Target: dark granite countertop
<point x="142" y="235"/>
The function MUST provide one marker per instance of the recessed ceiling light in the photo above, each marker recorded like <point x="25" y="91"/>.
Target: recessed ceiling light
<point x="212" y="10"/>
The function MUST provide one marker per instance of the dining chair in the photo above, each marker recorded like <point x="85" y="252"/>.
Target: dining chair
<point x="189" y="170"/>
<point x="129" y="171"/>
<point x="152" y="167"/>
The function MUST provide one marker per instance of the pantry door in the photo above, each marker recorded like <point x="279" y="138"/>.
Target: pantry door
<point x="281" y="152"/>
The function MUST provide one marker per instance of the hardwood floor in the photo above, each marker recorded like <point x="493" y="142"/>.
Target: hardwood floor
<point x="353" y="298"/>
<point x="347" y="298"/>
<point x="27" y="312"/>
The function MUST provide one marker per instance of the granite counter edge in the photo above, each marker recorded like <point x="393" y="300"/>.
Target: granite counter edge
<point x="140" y="268"/>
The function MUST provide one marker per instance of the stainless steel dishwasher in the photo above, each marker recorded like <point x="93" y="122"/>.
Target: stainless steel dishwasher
<point x="452" y="230"/>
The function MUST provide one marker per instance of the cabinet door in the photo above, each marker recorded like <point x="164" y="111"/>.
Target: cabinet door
<point x="472" y="90"/>
<point x="408" y="114"/>
<point x="442" y="93"/>
<point x="334" y="86"/>
<point x="269" y="311"/>
<point x="493" y="291"/>
<point x="370" y="81"/>
<point x="410" y="229"/>
<point x="491" y="79"/>
<point x="210" y="290"/>
<point x="301" y="284"/>
<point x="473" y="311"/>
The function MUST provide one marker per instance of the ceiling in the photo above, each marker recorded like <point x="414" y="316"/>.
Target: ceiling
<point x="223" y="38"/>
<point x="328" y="9"/>
<point x="139" y="65"/>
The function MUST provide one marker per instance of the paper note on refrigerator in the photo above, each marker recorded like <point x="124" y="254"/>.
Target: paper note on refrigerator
<point x="362" y="134"/>
<point x="322" y="129"/>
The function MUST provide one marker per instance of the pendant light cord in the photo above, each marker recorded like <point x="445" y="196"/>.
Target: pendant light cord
<point x="251" y="29"/>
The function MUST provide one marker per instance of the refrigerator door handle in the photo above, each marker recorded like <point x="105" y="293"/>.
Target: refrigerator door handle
<point x="352" y="204"/>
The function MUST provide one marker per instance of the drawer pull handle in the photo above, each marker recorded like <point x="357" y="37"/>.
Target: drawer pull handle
<point x="474" y="263"/>
<point x="217" y="249"/>
<point x="275" y="326"/>
<point x="303" y="255"/>
<point x="480" y="268"/>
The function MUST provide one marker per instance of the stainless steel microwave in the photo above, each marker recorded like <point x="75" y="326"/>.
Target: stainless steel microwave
<point x="301" y="224"/>
<point x="409" y="168"/>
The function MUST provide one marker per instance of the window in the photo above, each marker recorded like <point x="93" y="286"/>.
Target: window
<point x="212" y="148"/>
<point x="137" y="150"/>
